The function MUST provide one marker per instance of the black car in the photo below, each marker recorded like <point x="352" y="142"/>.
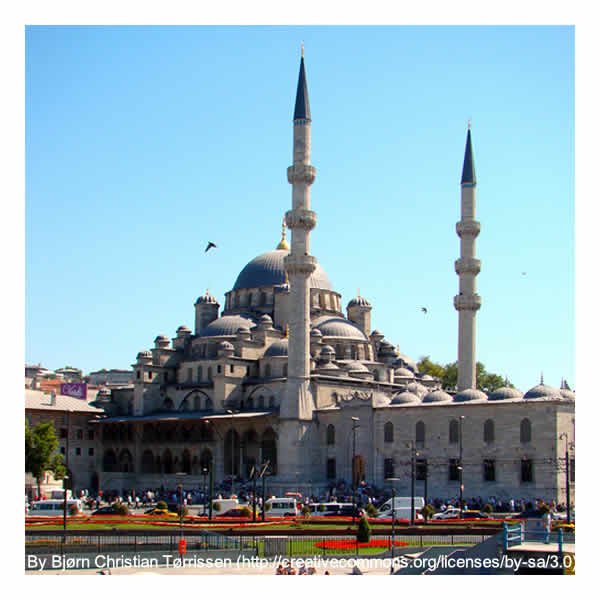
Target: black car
<point x="474" y="514"/>
<point x="106" y="510"/>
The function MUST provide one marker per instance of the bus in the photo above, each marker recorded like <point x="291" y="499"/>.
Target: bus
<point x="53" y="508"/>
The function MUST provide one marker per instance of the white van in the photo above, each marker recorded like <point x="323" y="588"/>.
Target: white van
<point x="53" y="508"/>
<point x="282" y="507"/>
<point x="402" y="506"/>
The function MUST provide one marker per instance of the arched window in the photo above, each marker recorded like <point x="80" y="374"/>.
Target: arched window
<point x="263" y="298"/>
<point x="420" y="434"/>
<point x="525" y="431"/>
<point x="125" y="462"/>
<point x="250" y="299"/>
<point x="167" y="462"/>
<point x="453" y="432"/>
<point x="186" y="462"/>
<point x="206" y="460"/>
<point x="488" y="432"/>
<point x="330" y="435"/>
<point x="168" y="404"/>
<point x="147" y="462"/>
<point x="109" y="461"/>
<point x="388" y="432"/>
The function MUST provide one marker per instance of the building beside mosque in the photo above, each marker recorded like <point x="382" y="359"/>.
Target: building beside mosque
<point x="283" y="373"/>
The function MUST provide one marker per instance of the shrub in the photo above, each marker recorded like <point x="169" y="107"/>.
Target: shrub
<point x="306" y="511"/>
<point x="73" y="510"/>
<point x="487" y="508"/>
<point x="267" y="506"/>
<point x="216" y="506"/>
<point x="371" y="510"/>
<point x="363" y="533"/>
<point x="246" y="511"/>
<point x="121" y="508"/>
<point x="427" y="511"/>
<point x="161" y="504"/>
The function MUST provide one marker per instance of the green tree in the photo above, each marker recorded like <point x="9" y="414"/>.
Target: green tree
<point x="40" y="452"/>
<point x="448" y="374"/>
<point x="428" y="367"/>
<point x="363" y="533"/>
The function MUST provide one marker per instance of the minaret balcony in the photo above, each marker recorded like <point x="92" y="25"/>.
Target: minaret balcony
<point x="301" y="218"/>
<point x="300" y="173"/>
<point x="468" y="228"/>
<point x="467" y="302"/>
<point x="303" y="265"/>
<point x="470" y="266"/>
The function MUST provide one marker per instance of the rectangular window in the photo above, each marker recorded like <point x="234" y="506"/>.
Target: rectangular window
<point x="489" y="470"/>
<point x="421" y="469"/>
<point x="453" y="469"/>
<point x="218" y="368"/>
<point x="79" y="434"/>
<point x="331" y="468"/>
<point x="526" y="470"/>
<point x="388" y="468"/>
<point x="77" y="451"/>
<point x="63" y="432"/>
<point x="189" y="375"/>
<point x="90" y="434"/>
<point x="90" y="452"/>
<point x="62" y="450"/>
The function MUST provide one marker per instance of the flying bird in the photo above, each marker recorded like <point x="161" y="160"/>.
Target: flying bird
<point x="209" y="246"/>
<point x="423" y="310"/>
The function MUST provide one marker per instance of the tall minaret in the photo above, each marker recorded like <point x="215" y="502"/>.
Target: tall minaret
<point x="299" y="264"/>
<point x="467" y="303"/>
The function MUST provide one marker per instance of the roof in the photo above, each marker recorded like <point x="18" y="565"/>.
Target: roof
<point x="338" y="327"/>
<point x="267" y="270"/>
<point x="227" y="325"/>
<point x="468" y="172"/>
<point x="36" y="400"/>
<point x="302" y="107"/>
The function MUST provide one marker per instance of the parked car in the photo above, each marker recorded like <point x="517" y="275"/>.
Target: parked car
<point x="105" y="510"/>
<point x="474" y="514"/>
<point x="160" y="512"/>
<point x="449" y="513"/>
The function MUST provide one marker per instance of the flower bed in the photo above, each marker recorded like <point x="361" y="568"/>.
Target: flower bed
<point x="351" y="544"/>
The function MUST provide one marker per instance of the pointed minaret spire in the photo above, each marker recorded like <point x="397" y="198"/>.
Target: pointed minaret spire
<point x="467" y="267"/>
<point x="302" y="108"/>
<point x="468" y="172"/>
<point x="283" y="245"/>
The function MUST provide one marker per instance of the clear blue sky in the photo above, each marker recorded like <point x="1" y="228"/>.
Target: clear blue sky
<point x="142" y="143"/>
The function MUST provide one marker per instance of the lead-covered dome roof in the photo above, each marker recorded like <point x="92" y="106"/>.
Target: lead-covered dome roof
<point x="267" y="270"/>
<point x="227" y="325"/>
<point x="338" y="327"/>
<point x="278" y="348"/>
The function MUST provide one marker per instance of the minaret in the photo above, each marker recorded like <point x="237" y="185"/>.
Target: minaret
<point x="467" y="302"/>
<point x="299" y="264"/>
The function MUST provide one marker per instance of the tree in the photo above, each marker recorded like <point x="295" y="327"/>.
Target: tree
<point x="448" y="374"/>
<point x="40" y="452"/>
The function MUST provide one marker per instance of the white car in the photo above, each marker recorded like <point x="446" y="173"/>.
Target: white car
<point x="449" y="513"/>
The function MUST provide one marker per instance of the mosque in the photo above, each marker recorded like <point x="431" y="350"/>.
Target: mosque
<point x="282" y="377"/>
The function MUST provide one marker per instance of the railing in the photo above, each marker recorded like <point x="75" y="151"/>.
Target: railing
<point x="158" y="545"/>
<point x="511" y="535"/>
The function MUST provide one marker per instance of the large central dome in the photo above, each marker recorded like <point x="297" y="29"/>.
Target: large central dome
<point x="267" y="270"/>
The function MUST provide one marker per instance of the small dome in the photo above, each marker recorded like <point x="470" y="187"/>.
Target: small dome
<point x="505" y="393"/>
<point x="327" y="350"/>
<point x="427" y="377"/>
<point x="376" y="333"/>
<point x="417" y="389"/>
<point x="278" y="348"/>
<point x="406" y="362"/>
<point x="356" y="366"/>
<point x="265" y="320"/>
<point x="338" y="327"/>
<point x="144" y="354"/>
<point x="315" y="333"/>
<point x="183" y="330"/>
<point x="542" y="391"/>
<point x="206" y="298"/>
<point x="225" y="346"/>
<point x="406" y="397"/>
<point x="436" y="396"/>
<point x="226" y="326"/>
<point x="359" y="301"/>
<point x="161" y="338"/>
<point x="403" y="372"/>
<point x="470" y="394"/>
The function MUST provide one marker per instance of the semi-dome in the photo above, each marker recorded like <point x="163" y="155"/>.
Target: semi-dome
<point x="505" y="393"/>
<point x="267" y="270"/>
<point x="227" y="325"/>
<point x="470" y="394"/>
<point x="542" y="391"/>
<point x="405" y="397"/>
<point x="436" y="396"/>
<point x="338" y="327"/>
<point x="278" y="348"/>
<point x="418" y="389"/>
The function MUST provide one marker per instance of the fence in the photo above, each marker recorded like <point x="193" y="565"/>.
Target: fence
<point x="83" y="547"/>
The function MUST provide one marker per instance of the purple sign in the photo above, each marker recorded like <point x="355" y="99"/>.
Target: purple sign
<point x="76" y="390"/>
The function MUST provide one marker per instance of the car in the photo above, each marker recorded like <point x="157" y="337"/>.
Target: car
<point x="105" y="510"/>
<point x="160" y="512"/>
<point x="240" y="513"/>
<point x="449" y="513"/>
<point x="474" y="514"/>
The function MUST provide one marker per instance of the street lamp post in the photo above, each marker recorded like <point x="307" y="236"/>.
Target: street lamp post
<point x="204" y="474"/>
<point x="565" y="436"/>
<point x="393" y="479"/>
<point x="460" y="464"/>
<point x="355" y="426"/>
<point x="231" y="412"/>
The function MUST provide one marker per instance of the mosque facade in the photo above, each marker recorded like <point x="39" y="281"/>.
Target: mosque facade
<point x="283" y="379"/>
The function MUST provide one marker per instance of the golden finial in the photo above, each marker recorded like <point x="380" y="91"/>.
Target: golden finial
<point x="283" y="245"/>
<point x="302" y="49"/>
<point x="287" y="331"/>
<point x="469" y="124"/>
